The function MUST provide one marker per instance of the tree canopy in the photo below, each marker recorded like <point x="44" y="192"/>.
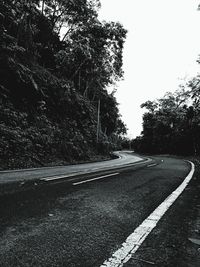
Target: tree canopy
<point x="56" y="61"/>
<point x="172" y="123"/>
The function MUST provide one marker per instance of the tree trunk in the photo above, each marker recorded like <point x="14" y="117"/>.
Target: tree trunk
<point x="43" y="7"/>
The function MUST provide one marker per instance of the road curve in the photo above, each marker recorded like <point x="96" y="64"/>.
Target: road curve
<point x="124" y="158"/>
<point x="85" y="224"/>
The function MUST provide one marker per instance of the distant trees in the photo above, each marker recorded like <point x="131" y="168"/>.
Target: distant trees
<point x="172" y="123"/>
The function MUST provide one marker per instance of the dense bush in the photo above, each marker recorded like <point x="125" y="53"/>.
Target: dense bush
<point x="172" y="124"/>
<point x="51" y="82"/>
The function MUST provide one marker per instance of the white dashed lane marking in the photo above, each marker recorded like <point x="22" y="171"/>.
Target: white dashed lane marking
<point x="96" y="178"/>
<point x="47" y="179"/>
<point x="151" y="165"/>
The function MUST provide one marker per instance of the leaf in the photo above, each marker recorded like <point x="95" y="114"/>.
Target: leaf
<point x="195" y="241"/>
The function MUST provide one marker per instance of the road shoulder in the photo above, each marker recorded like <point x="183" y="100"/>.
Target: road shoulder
<point x="176" y="240"/>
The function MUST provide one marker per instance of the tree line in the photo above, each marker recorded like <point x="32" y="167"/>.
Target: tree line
<point x="56" y="61"/>
<point x="171" y="124"/>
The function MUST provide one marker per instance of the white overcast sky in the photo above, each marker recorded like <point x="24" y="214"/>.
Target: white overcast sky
<point x="161" y="49"/>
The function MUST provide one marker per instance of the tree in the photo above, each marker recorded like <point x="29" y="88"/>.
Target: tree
<point x="93" y="57"/>
<point x="168" y="124"/>
<point x="56" y="61"/>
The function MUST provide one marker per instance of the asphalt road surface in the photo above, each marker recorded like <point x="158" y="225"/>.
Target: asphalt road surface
<point x="84" y="222"/>
<point x="124" y="158"/>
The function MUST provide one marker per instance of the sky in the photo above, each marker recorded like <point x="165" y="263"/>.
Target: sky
<point x="160" y="52"/>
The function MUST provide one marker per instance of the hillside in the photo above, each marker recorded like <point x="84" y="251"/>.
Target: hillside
<point x="56" y="60"/>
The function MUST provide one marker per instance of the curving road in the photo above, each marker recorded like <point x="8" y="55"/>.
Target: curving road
<point x="85" y="224"/>
<point x="124" y="158"/>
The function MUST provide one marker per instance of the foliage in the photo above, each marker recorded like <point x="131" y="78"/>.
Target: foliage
<point x="171" y="124"/>
<point x="56" y="60"/>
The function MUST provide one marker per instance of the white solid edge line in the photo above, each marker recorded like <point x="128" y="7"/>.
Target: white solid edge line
<point x="96" y="178"/>
<point x="134" y="241"/>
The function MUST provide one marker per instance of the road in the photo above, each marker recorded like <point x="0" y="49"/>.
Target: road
<point x="124" y="158"/>
<point x="83" y="224"/>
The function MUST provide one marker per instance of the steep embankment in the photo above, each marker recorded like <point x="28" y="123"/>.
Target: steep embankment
<point x="41" y="128"/>
<point x="49" y="88"/>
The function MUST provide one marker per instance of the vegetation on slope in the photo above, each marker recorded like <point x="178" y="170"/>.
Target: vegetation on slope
<point x="56" y="60"/>
<point x="172" y="124"/>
